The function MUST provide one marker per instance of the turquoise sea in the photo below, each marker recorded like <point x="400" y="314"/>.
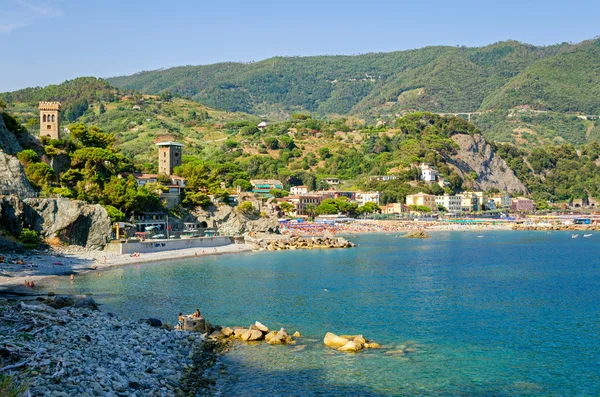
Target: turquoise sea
<point x="492" y="313"/>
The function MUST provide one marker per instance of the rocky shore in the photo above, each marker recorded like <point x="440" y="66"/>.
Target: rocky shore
<point x="295" y="242"/>
<point x="81" y="351"/>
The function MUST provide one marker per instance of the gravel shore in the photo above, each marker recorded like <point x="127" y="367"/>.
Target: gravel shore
<point x="81" y="352"/>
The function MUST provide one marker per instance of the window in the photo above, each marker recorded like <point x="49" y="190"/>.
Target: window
<point x="164" y="154"/>
<point x="44" y="119"/>
<point x="53" y="118"/>
<point x="49" y="127"/>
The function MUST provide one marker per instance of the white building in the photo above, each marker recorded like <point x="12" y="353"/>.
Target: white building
<point x="332" y="181"/>
<point x="451" y="203"/>
<point x="502" y="200"/>
<point x="362" y="198"/>
<point x="297" y="190"/>
<point x="428" y="173"/>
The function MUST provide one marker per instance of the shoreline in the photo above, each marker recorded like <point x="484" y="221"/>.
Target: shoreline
<point x="40" y="267"/>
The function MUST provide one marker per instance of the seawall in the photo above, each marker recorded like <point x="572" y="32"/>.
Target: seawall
<point x="131" y="246"/>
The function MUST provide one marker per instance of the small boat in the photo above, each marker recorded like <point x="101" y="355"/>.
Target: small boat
<point x="587" y="235"/>
<point x="574" y="235"/>
<point x="479" y="236"/>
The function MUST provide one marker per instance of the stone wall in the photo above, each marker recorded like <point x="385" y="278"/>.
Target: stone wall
<point x="167" y="245"/>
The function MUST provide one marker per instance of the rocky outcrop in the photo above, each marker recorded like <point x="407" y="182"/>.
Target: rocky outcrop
<point x="349" y="343"/>
<point x="12" y="176"/>
<point x="257" y="332"/>
<point x="231" y="222"/>
<point x="73" y="222"/>
<point x="476" y="155"/>
<point x="294" y="242"/>
<point x="8" y="141"/>
<point x="417" y="234"/>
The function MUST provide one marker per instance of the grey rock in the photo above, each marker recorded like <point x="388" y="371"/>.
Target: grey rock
<point x="475" y="154"/>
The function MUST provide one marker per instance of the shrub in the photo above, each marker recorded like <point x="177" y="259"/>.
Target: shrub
<point x="30" y="237"/>
<point x="115" y="214"/>
<point x="10" y="388"/>
<point x="246" y="208"/>
<point x="27" y="157"/>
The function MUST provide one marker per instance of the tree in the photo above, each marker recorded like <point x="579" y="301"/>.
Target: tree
<point x="286" y="207"/>
<point x="311" y="210"/>
<point x="244" y="185"/>
<point x="246" y="208"/>
<point x="327" y="207"/>
<point x="27" y="157"/>
<point x="368" y="208"/>
<point x="114" y="214"/>
<point x="271" y="143"/>
<point x="324" y="153"/>
<point x="197" y="199"/>
<point x="39" y="174"/>
<point x="277" y="193"/>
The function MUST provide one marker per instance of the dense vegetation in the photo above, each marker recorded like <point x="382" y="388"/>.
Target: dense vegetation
<point x="556" y="173"/>
<point x="562" y="78"/>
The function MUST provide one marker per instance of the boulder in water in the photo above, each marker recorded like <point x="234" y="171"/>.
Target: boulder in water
<point x="252" y="335"/>
<point x="332" y="340"/>
<point x="351" y="347"/>
<point x="261" y="327"/>
<point x="417" y="234"/>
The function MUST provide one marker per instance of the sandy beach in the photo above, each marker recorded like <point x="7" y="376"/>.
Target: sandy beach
<point x="37" y="266"/>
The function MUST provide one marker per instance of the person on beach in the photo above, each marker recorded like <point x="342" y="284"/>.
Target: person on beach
<point x="72" y="277"/>
<point x="195" y="254"/>
<point x="196" y="314"/>
<point x="180" y="320"/>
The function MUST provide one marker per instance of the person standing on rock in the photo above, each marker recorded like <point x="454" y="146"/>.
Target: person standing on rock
<point x="196" y="314"/>
<point x="180" y="321"/>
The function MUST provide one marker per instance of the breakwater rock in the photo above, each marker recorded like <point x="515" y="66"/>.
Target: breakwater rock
<point x="73" y="222"/>
<point x="292" y="243"/>
<point x="349" y="343"/>
<point x="256" y="332"/>
<point x="417" y="234"/>
<point x="78" y="352"/>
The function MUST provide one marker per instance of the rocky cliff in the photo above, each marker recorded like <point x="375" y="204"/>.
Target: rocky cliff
<point x="73" y="222"/>
<point x="12" y="177"/>
<point x="231" y="222"/>
<point x="8" y="141"/>
<point x="475" y="154"/>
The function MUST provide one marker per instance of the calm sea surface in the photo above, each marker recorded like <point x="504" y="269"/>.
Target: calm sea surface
<point x="505" y="314"/>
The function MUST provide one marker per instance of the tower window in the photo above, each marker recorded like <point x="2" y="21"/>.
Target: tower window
<point x="49" y="127"/>
<point x="53" y="118"/>
<point x="44" y="118"/>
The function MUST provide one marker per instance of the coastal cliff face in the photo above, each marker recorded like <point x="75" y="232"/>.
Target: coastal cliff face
<point x="12" y="177"/>
<point x="475" y="154"/>
<point x="231" y="222"/>
<point x="73" y="222"/>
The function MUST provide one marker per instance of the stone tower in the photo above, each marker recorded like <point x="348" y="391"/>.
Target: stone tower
<point x="50" y="119"/>
<point x="169" y="157"/>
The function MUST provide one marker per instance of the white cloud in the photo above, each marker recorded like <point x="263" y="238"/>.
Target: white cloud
<point x="9" y="27"/>
<point x="43" y="10"/>
<point x="24" y="14"/>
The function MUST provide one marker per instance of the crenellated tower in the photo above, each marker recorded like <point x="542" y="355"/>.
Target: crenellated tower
<point x="50" y="119"/>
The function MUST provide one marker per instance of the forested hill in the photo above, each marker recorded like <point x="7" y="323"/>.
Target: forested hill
<point x="564" y="77"/>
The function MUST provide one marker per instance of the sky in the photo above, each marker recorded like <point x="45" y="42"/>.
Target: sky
<point x="49" y="41"/>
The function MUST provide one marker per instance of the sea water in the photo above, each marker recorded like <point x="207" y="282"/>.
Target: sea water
<point x="493" y="313"/>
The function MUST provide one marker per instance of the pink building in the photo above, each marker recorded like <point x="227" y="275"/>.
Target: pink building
<point x="522" y="204"/>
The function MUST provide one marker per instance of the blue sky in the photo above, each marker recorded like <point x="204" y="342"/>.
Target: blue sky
<point x="48" y="41"/>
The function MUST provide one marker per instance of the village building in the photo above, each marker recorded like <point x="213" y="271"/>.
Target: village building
<point x="522" y="204"/>
<point x="332" y="181"/>
<point x="169" y="157"/>
<point x="383" y="178"/>
<point x="304" y="201"/>
<point x="482" y="199"/>
<point x="469" y="201"/>
<point x="394" y="208"/>
<point x="262" y="126"/>
<point x="333" y="194"/>
<point x="421" y="199"/>
<point x="502" y="200"/>
<point x="450" y="202"/>
<point x="151" y="222"/>
<point x="50" y="119"/>
<point x="428" y="173"/>
<point x="296" y="190"/>
<point x="362" y="198"/>
<point x="264" y="186"/>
